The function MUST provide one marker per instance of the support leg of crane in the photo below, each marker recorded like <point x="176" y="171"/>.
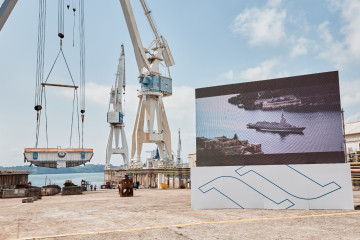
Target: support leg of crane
<point x="115" y="131"/>
<point x="138" y="134"/>
<point x="125" y="149"/>
<point x="166" y="131"/>
<point x="140" y="128"/>
<point x="109" y="149"/>
<point x="117" y="134"/>
<point x="133" y="142"/>
<point x="151" y="106"/>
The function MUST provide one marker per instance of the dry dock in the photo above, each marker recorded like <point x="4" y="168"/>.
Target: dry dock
<point x="164" y="214"/>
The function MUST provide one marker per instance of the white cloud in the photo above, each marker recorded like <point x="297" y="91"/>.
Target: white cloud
<point x="181" y="105"/>
<point x="335" y="51"/>
<point x="350" y="95"/>
<point x="262" y="25"/>
<point x="353" y="118"/>
<point x="266" y="25"/>
<point x="346" y="50"/>
<point x="95" y="93"/>
<point x="263" y="71"/>
<point x="274" y="3"/>
<point x="350" y="99"/>
<point x="300" y="48"/>
<point x="349" y="10"/>
<point x="324" y="32"/>
<point x="229" y="75"/>
<point x="282" y="74"/>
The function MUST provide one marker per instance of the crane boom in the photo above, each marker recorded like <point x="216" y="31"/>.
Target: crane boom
<point x="159" y="52"/>
<point x="5" y="10"/>
<point x="120" y="81"/>
<point x="151" y="21"/>
<point x="166" y="54"/>
<point x="139" y="51"/>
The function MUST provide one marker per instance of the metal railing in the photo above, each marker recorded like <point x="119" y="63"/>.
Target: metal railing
<point x="353" y="157"/>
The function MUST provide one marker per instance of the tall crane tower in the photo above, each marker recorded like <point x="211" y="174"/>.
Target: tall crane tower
<point x="154" y="86"/>
<point x="116" y="116"/>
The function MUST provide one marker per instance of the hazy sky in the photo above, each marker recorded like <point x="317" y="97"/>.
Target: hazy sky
<point x="213" y="43"/>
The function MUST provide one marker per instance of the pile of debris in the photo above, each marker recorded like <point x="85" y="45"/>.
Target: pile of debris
<point x="50" y="190"/>
<point x="71" y="189"/>
<point x="24" y="189"/>
<point x="126" y="187"/>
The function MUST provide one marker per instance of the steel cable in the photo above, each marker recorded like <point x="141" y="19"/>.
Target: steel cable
<point x="72" y="118"/>
<point x="67" y="66"/>
<point x="82" y="64"/>
<point x="78" y="117"/>
<point x="46" y="120"/>
<point x="40" y="64"/>
<point x="40" y="50"/>
<point x="61" y="18"/>
<point x="82" y="54"/>
<point x="52" y="67"/>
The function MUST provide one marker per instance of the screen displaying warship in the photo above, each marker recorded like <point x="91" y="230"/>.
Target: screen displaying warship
<point x="291" y="120"/>
<point x="282" y="127"/>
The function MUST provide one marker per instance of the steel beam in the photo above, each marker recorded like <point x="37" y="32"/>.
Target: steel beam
<point x="5" y="10"/>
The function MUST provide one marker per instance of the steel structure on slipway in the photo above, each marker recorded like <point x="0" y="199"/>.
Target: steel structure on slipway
<point x="9" y="178"/>
<point x="58" y="157"/>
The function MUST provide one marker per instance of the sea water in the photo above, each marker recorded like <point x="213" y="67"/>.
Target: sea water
<point x="40" y="180"/>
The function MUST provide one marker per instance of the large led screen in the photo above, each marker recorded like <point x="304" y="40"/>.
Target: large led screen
<point x="294" y="120"/>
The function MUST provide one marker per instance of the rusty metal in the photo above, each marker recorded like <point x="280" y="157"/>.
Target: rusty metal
<point x="11" y="178"/>
<point x="59" y="85"/>
<point x="126" y="187"/>
<point x="57" y="150"/>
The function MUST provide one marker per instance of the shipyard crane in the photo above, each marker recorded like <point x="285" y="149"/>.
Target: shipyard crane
<point x="154" y="86"/>
<point x="178" y="153"/>
<point x="115" y="117"/>
<point x="5" y="10"/>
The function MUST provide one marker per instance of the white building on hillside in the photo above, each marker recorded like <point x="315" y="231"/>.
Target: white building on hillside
<point x="352" y="139"/>
<point x="352" y="136"/>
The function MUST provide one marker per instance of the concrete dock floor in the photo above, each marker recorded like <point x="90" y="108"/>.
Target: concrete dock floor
<point x="164" y="214"/>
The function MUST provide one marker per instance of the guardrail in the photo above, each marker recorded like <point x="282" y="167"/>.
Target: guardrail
<point x="354" y="160"/>
<point x="353" y="157"/>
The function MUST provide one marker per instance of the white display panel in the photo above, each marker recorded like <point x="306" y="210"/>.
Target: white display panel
<point x="300" y="186"/>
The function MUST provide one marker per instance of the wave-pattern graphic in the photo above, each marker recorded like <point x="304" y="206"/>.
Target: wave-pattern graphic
<point x="240" y="186"/>
<point x="260" y="187"/>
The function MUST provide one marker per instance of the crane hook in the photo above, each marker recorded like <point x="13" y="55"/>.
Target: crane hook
<point x="38" y="107"/>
